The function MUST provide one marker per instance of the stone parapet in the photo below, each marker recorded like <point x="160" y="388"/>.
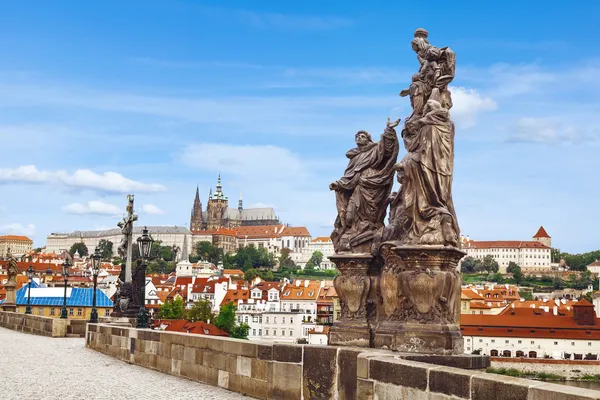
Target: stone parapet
<point x="35" y="324"/>
<point x="281" y="371"/>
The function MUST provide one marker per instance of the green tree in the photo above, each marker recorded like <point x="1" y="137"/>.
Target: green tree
<point x="240" y="331"/>
<point x="226" y="318"/>
<point x="79" y="247"/>
<point x="511" y="266"/>
<point x="172" y="309"/>
<point x="310" y="267"/>
<point x="248" y="257"/>
<point x="489" y="264"/>
<point x="250" y="274"/>
<point x="468" y="265"/>
<point x="555" y="255"/>
<point x="316" y="258"/>
<point x="200" y="311"/>
<point x="206" y="251"/>
<point x="526" y="295"/>
<point x="516" y="272"/>
<point x="105" y="247"/>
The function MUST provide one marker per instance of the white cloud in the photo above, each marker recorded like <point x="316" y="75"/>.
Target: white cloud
<point x="18" y="229"/>
<point x="548" y="130"/>
<point x="81" y="179"/>
<point x="93" y="207"/>
<point x="152" y="209"/>
<point x="467" y="104"/>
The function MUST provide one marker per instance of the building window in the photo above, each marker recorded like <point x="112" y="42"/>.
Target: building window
<point x="556" y="343"/>
<point x="107" y="313"/>
<point x="267" y="319"/>
<point x="291" y="320"/>
<point x="506" y="341"/>
<point x="283" y="322"/>
<point x="274" y="320"/>
<point x="266" y="332"/>
<point x="493" y="341"/>
<point x="79" y="312"/>
<point x="52" y="311"/>
<point x="291" y="333"/>
<point x="572" y="343"/>
<point x="480" y="340"/>
<point x="532" y="342"/>
<point x="519" y="342"/>
<point x="71" y="311"/>
<point x="282" y="332"/>
<point x="468" y="340"/>
<point x="274" y="332"/>
<point x="40" y="311"/>
<point x="253" y="332"/>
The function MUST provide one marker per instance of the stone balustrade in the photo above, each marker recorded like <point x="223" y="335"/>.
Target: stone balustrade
<point x="280" y="371"/>
<point x="35" y="324"/>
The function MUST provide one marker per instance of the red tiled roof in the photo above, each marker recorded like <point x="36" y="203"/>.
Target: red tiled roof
<point x="15" y="237"/>
<point x="470" y="293"/>
<point x="235" y="272"/>
<point x="182" y="325"/>
<point x="38" y="267"/>
<point x="480" y="305"/>
<point x="321" y="239"/>
<point x="293" y="292"/>
<point x="491" y="244"/>
<point x="541" y="233"/>
<point x="295" y="231"/>
<point x="583" y="303"/>
<point x="595" y="264"/>
<point x="235" y="295"/>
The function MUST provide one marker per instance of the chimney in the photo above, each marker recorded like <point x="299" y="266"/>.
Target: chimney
<point x="555" y="310"/>
<point x="297" y="283"/>
<point x="322" y="284"/>
<point x="532" y="306"/>
<point x="306" y="282"/>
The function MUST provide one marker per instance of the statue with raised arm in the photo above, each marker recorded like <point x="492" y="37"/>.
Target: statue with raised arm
<point x="362" y="192"/>
<point x="11" y="268"/>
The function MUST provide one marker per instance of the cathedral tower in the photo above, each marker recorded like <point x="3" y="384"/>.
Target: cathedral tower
<point x="196" y="218"/>
<point x="217" y="207"/>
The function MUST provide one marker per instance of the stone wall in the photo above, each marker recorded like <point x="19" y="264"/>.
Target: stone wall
<point x="35" y="324"/>
<point x="76" y="327"/>
<point x="280" y="371"/>
<point x="570" y="369"/>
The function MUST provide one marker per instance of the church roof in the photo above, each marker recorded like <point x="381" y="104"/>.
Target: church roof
<point x="541" y="233"/>
<point x="137" y="230"/>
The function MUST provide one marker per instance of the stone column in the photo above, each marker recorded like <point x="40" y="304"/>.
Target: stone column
<point x="420" y="295"/>
<point x="9" y="303"/>
<point x="355" y="286"/>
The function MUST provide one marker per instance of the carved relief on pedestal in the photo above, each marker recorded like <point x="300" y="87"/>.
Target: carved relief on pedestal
<point x="419" y="285"/>
<point x="352" y="287"/>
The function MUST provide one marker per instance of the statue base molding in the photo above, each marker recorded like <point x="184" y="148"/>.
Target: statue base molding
<point x="356" y="286"/>
<point x="126" y="305"/>
<point x="420" y="299"/>
<point x="9" y="303"/>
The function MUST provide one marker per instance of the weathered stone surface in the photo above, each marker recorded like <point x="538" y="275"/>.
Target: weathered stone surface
<point x="399" y="372"/>
<point x="450" y="381"/>
<point x="347" y="363"/>
<point x="287" y="381"/>
<point x="287" y="353"/>
<point x="319" y="372"/>
<point x="551" y="391"/>
<point x="260" y="369"/>
<point x="463" y="361"/>
<point x="265" y="352"/>
<point x="497" y="387"/>
<point x="244" y="366"/>
<point x="364" y="389"/>
<point x="223" y="379"/>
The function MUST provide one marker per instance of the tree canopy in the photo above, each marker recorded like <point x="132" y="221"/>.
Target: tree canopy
<point x="206" y="251"/>
<point x="226" y="321"/>
<point x="200" y="311"/>
<point x="249" y="257"/>
<point x="577" y="262"/>
<point x="172" y="309"/>
<point x="105" y="248"/>
<point x="79" y="247"/>
<point x="265" y="275"/>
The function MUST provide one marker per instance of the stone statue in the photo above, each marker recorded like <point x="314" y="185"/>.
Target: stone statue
<point x="12" y="268"/>
<point x="126" y="228"/>
<point x="424" y="211"/>
<point x="362" y="192"/>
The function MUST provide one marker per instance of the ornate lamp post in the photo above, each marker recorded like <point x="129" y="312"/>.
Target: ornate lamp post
<point x="145" y="244"/>
<point x="65" y="270"/>
<point x="29" y="279"/>
<point x="96" y="261"/>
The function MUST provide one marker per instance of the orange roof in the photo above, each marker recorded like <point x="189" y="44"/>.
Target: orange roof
<point x="325" y="331"/>
<point x="235" y="272"/>
<point x="534" y="304"/>
<point x="480" y="305"/>
<point x="583" y="303"/>
<point x="258" y="231"/>
<point x="541" y="233"/>
<point x="321" y="239"/>
<point x="15" y="237"/>
<point x="595" y="264"/>
<point x="295" y="231"/>
<point x="162" y="296"/>
<point x="218" y="231"/>
<point x="38" y="267"/>
<point x="471" y="294"/>
<point x="204" y="285"/>
<point x="235" y="295"/>
<point x="491" y="244"/>
<point x="182" y="325"/>
<point x="300" y="292"/>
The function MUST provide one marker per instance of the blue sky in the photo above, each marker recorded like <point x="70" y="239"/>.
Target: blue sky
<point x="98" y="99"/>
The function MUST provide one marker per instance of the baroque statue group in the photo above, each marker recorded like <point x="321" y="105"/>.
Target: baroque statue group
<point x="398" y="284"/>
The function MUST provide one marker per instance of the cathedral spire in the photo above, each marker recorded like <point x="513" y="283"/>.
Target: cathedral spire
<point x="240" y="203"/>
<point x="219" y="192"/>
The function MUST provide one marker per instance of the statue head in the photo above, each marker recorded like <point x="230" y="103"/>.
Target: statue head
<point x="363" y="138"/>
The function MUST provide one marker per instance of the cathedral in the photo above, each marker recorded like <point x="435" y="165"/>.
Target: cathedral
<point x="219" y="215"/>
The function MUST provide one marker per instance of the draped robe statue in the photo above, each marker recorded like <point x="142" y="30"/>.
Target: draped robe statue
<point x="361" y="194"/>
<point x="422" y="212"/>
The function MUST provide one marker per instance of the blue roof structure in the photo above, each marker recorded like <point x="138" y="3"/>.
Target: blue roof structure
<point x="76" y="297"/>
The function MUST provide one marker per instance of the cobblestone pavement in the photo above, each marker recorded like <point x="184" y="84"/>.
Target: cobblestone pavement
<point x="36" y="367"/>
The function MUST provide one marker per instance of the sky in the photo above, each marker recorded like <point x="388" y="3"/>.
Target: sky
<point x="103" y="98"/>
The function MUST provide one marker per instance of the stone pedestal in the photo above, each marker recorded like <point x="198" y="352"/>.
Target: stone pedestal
<point x="355" y="287"/>
<point x="9" y="303"/>
<point x="420" y="300"/>
<point x="125" y="303"/>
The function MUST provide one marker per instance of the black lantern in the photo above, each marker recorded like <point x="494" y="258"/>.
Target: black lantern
<point x="145" y="244"/>
<point x="66" y="266"/>
<point x="29" y="279"/>
<point x="96" y="261"/>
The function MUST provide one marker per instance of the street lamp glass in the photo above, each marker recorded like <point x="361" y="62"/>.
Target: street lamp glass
<point x="96" y="261"/>
<point x="30" y="272"/>
<point x="66" y="266"/>
<point x="145" y="244"/>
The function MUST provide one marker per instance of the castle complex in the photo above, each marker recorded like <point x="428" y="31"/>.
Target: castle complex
<point x="219" y="215"/>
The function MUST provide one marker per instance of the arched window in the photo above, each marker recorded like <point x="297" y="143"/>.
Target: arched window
<point x="532" y="354"/>
<point x="519" y="353"/>
<point x="506" y="353"/>
<point x="493" y="353"/>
